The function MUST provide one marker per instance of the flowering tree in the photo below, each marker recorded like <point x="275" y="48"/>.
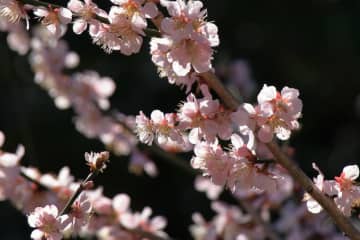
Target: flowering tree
<point x="237" y="147"/>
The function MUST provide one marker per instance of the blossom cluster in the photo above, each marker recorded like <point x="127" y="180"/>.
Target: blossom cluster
<point x="294" y="223"/>
<point x="343" y="189"/>
<point x="204" y="121"/>
<point x="88" y="94"/>
<point x="42" y="196"/>
<point x="229" y="145"/>
<point x="228" y="223"/>
<point x="121" y="29"/>
<point x="185" y="48"/>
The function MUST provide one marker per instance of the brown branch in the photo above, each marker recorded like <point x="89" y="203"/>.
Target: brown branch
<point x="340" y="220"/>
<point x="40" y="186"/>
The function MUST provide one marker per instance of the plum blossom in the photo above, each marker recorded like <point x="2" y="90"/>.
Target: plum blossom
<point x="161" y="127"/>
<point x="63" y="184"/>
<point x="9" y="173"/>
<point x="141" y="220"/>
<point x="121" y="206"/>
<point x="97" y="161"/>
<point x="275" y="113"/>
<point x="278" y="112"/>
<point x="187" y="43"/>
<point x="345" y="189"/>
<point x="159" y="49"/>
<point x="164" y="125"/>
<point x="92" y="85"/>
<point x="55" y="19"/>
<point x="210" y="158"/>
<point x="18" y="38"/>
<point x="79" y="214"/>
<point x="228" y="223"/>
<point x="47" y="223"/>
<point x="312" y="205"/>
<point x="144" y="128"/>
<point x="205" y="117"/>
<point x="246" y="175"/>
<point x="87" y="12"/>
<point x="126" y="28"/>
<point x="10" y="159"/>
<point x="205" y="185"/>
<point x="14" y="11"/>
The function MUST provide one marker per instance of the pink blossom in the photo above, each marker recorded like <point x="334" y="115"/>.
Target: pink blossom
<point x="164" y="127"/>
<point x="87" y="12"/>
<point x="159" y="49"/>
<point x="14" y="11"/>
<point x="312" y="205"/>
<point x="187" y="21"/>
<point x="189" y="53"/>
<point x="11" y="159"/>
<point x="176" y="146"/>
<point x="186" y="46"/>
<point x="100" y="203"/>
<point x="347" y="192"/>
<point x="97" y="161"/>
<point x="121" y="206"/>
<point x="144" y="128"/>
<point x="205" y="118"/>
<point x="244" y="174"/>
<point x="343" y="189"/>
<point x="126" y="28"/>
<point x="210" y="158"/>
<point x="79" y="214"/>
<point x="278" y="112"/>
<point x="141" y="220"/>
<point x="91" y="85"/>
<point x="205" y="185"/>
<point x="47" y="223"/>
<point x="55" y="20"/>
<point x="18" y="39"/>
<point x="245" y="117"/>
<point x="63" y="184"/>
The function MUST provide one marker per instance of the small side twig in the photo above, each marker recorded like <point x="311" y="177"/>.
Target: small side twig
<point x="72" y="199"/>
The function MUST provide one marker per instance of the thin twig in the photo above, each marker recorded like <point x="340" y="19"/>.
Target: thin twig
<point x="40" y="186"/>
<point x="340" y="220"/>
<point x="69" y="203"/>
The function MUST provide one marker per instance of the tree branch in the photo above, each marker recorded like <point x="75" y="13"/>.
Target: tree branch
<point x="340" y="220"/>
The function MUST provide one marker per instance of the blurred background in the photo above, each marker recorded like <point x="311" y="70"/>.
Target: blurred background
<point x="312" y="45"/>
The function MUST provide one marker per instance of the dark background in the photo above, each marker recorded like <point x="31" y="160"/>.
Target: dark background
<point x="310" y="45"/>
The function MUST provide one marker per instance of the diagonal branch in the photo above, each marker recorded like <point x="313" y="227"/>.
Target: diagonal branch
<point x="340" y="220"/>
